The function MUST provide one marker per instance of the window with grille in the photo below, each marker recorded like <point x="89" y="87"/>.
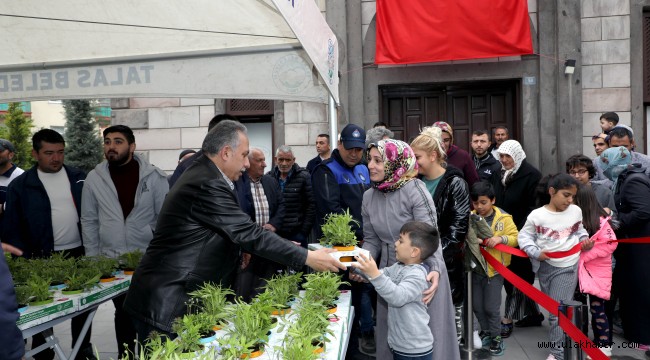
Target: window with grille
<point x="249" y="107"/>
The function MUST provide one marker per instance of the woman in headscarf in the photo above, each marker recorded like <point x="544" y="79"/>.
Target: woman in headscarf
<point x="632" y="271"/>
<point x="514" y="187"/>
<point x="397" y="196"/>
<point x="450" y="195"/>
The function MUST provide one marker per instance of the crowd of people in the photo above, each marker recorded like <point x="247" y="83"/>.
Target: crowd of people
<point x="423" y="210"/>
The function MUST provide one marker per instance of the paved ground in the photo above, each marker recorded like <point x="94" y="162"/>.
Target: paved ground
<point x="521" y="345"/>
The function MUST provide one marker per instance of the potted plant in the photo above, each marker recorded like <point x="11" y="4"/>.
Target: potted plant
<point x="299" y="349"/>
<point x="323" y="287"/>
<point x="23" y="297"/>
<point x="129" y="261"/>
<point x="193" y="331"/>
<point x="106" y="267"/>
<point x="250" y="324"/>
<point x="39" y="290"/>
<point x="20" y="269"/>
<point x="338" y="233"/>
<point x="57" y="267"/>
<point x="80" y="279"/>
<point x="312" y="324"/>
<point x="235" y="348"/>
<point x="212" y="300"/>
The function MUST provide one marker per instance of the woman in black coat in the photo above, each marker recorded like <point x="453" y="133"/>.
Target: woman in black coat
<point x="514" y="187"/>
<point x="632" y="272"/>
<point x="451" y="198"/>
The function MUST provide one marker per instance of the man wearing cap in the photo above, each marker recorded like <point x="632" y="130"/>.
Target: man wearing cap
<point x="338" y="184"/>
<point x="8" y="170"/>
<point x="456" y="156"/>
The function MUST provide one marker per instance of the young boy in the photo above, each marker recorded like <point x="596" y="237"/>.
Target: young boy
<point x="608" y="121"/>
<point x="401" y="285"/>
<point x="487" y="285"/>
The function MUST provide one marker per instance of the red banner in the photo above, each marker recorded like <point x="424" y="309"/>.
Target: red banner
<point x="420" y="31"/>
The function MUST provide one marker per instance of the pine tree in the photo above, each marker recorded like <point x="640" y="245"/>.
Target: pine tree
<point x="20" y="134"/>
<point x="83" y="145"/>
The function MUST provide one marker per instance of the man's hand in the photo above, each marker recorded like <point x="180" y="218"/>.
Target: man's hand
<point x="434" y="278"/>
<point x="245" y="260"/>
<point x="269" y="227"/>
<point x="321" y="260"/>
<point x="367" y="265"/>
<point x="11" y="249"/>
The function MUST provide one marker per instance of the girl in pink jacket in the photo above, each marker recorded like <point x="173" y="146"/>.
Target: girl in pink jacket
<point x="595" y="266"/>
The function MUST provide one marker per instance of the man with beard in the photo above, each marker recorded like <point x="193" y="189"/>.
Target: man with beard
<point x="42" y="218"/>
<point x="124" y="194"/>
<point x="485" y="163"/>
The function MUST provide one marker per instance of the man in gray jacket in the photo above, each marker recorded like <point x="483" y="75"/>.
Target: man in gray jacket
<point x="119" y="208"/>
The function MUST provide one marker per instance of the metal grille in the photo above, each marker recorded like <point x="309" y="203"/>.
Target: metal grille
<point x="241" y="107"/>
<point x="646" y="57"/>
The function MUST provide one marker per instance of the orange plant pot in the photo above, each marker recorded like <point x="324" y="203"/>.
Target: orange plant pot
<point x="281" y="311"/>
<point x="107" y="279"/>
<point x="343" y="248"/>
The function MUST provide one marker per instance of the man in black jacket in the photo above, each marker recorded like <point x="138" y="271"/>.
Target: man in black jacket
<point x="485" y="163"/>
<point x="41" y="217"/>
<point x="199" y="233"/>
<point x="300" y="208"/>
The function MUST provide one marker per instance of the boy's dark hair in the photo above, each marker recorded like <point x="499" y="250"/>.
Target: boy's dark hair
<point x="122" y="129"/>
<point x="47" y="135"/>
<point x="324" y="135"/>
<point x="423" y="236"/>
<point x="610" y="116"/>
<point x="482" y="188"/>
<point x="218" y="118"/>
<point x="481" y="133"/>
<point x="581" y="160"/>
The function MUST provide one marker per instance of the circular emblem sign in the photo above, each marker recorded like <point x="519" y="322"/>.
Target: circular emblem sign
<point x="291" y="74"/>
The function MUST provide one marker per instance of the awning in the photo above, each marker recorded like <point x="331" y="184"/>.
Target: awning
<point x="253" y="49"/>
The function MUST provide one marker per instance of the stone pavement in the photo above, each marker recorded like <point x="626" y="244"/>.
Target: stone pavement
<point x="522" y="345"/>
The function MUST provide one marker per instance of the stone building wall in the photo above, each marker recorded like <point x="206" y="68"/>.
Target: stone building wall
<point x="606" y="80"/>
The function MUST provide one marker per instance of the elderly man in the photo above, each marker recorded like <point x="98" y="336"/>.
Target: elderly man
<point x="199" y="234"/>
<point x="501" y="134"/>
<point x="265" y="206"/>
<point x="300" y="208"/>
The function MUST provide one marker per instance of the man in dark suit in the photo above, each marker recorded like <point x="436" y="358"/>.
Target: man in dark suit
<point x="199" y="233"/>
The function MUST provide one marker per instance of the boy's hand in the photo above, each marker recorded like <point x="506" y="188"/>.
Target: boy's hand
<point x="587" y="244"/>
<point x="493" y="241"/>
<point x="543" y="256"/>
<point x="367" y="265"/>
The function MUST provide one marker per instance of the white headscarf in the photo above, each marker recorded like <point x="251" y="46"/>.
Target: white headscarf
<point x="514" y="149"/>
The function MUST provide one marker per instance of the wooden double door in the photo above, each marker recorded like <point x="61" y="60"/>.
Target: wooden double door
<point x="465" y="106"/>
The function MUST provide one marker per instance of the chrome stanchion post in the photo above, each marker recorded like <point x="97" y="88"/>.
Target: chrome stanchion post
<point x="577" y="310"/>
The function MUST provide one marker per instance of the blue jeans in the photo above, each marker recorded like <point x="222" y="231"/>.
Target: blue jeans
<point x="401" y="356"/>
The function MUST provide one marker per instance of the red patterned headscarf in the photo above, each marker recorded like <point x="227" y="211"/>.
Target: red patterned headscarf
<point x="400" y="165"/>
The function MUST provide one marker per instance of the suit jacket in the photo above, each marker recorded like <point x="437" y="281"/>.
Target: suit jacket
<point x="200" y="230"/>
